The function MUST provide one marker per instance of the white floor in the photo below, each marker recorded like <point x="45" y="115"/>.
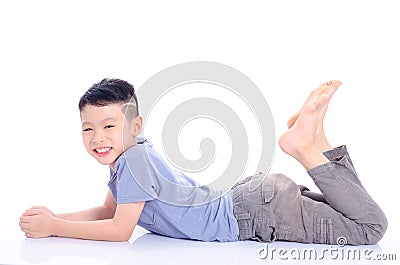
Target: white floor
<point x="147" y="248"/>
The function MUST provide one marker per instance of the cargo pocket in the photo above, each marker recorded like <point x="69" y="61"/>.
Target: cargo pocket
<point x="266" y="231"/>
<point x="242" y="214"/>
<point x="245" y="226"/>
<point x="266" y="227"/>
<point x="267" y="190"/>
<point x="323" y="233"/>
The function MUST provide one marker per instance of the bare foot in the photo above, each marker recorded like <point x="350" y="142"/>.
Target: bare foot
<point x="293" y="119"/>
<point x="300" y="141"/>
<point x="321" y="140"/>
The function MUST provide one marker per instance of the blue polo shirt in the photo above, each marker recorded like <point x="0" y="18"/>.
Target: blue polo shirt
<point x="141" y="174"/>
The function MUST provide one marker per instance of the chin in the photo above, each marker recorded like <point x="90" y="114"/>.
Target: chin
<point x="103" y="161"/>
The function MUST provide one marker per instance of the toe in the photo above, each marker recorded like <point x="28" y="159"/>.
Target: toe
<point x="336" y="83"/>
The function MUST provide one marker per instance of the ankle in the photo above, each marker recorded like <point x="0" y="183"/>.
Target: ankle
<point x="310" y="157"/>
<point x="304" y="150"/>
<point x="322" y="143"/>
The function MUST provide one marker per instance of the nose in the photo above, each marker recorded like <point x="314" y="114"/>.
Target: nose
<point x="98" y="136"/>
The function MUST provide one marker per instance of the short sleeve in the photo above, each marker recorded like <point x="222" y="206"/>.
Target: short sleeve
<point x="127" y="188"/>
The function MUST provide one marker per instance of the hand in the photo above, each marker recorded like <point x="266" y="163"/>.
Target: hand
<point x="37" y="222"/>
<point x="43" y="208"/>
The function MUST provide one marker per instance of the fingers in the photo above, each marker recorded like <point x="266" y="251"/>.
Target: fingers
<point x="31" y="235"/>
<point x="42" y="208"/>
<point x="24" y="225"/>
<point x="27" y="224"/>
<point x="33" y="211"/>
<point x="26" y="228"/>
<point x="38" y="207"/>
<point x="24" y="219"/>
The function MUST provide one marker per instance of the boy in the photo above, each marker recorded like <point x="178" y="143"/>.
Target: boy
<point x="276" y="210"/>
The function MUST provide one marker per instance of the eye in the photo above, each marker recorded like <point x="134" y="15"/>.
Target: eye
<point x="87" y="129"/>
<point x="109" y="126"/>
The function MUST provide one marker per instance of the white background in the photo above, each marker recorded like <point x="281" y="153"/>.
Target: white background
<point x="51" y="52"/>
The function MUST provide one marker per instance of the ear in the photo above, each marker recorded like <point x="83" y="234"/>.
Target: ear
<point x="137" y="125"/>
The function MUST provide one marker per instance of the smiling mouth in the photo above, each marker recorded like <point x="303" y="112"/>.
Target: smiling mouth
<point x="102" y="150"/>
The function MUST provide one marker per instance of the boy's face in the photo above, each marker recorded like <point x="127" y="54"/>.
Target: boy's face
<point x="106" y="133"/>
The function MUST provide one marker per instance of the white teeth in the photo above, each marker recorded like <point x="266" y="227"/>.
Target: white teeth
<point x="103" y="150"/>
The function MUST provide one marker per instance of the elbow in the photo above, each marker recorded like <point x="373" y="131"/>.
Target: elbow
<point x="125" y="236"/>
<point x="121" y="236"/>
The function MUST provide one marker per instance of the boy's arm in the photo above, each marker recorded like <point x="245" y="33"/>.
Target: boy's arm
<point x="106" y="211"/>
<point x="119" y="228"/>
<point x="39" y="223"/>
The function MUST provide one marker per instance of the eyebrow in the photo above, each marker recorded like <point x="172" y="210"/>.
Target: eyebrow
<point x="102" y="121"/>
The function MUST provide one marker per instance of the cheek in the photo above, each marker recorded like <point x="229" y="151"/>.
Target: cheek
<point x="86" y="141"/>
<point x="116" y="137"/>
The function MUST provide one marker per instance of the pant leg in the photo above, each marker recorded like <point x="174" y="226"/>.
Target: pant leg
<point x="332" y="155"/>
<point x="341" y="187"/>
<point x="337" y="154"/>
<point x="348" y="210"/>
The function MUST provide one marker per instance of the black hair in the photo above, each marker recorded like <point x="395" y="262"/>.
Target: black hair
<point x="110" y="91"/>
